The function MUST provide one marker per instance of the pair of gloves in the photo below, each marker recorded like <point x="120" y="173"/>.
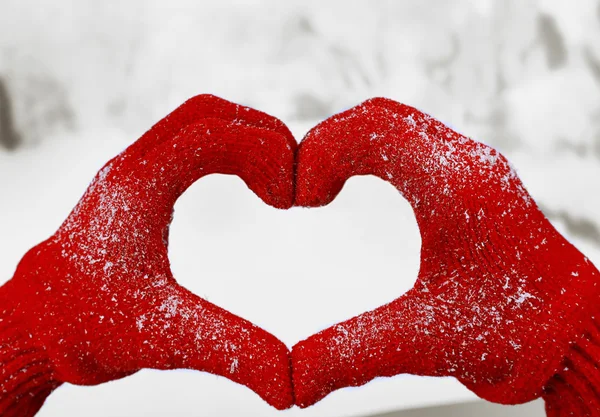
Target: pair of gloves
<point x="503" y="302"/>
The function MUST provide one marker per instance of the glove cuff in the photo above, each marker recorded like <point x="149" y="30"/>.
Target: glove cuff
<point x="26" y="375"/>
<point x="573" y="391"/>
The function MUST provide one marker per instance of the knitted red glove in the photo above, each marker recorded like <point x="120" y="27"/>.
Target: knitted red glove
<point x="97" y="300"/>
<point x="502" y="301"/>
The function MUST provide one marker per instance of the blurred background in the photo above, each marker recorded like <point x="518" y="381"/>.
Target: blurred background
<point x="80" y="80"/>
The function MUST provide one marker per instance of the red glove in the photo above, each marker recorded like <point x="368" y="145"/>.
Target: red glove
<point x="97" y="301"/>
<point x="502" y="301"/>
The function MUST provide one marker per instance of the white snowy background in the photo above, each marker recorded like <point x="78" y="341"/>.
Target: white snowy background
<point x="81" y="79"/>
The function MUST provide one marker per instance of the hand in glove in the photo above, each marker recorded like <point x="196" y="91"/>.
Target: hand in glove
<point x="502" y="301"/>
<point x="97" y="301"/>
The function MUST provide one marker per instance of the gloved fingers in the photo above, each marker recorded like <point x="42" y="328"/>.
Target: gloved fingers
<point x="430" y="164"/>
<point x="182" y="330"/>
<point x="124" y="167"/>
<point x="366" y="139"/>
<point x="263" y="159"/>
<point x="203" y="106"/>
<point x="404" y="336"/>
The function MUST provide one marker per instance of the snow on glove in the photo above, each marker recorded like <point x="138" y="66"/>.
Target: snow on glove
<point x="97" y="301"/>
<point x="502" y="301"/>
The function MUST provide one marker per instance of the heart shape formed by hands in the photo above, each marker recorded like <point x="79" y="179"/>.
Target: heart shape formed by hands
<point x="502" y="302"/>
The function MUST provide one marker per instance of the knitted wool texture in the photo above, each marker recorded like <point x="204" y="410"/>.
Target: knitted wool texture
<point x="502" y="301"/>
<point x="97" y="300"/>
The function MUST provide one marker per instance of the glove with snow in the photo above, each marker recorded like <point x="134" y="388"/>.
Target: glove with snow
<point x="502" y="301"/>
<point x="97" y="301"/>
